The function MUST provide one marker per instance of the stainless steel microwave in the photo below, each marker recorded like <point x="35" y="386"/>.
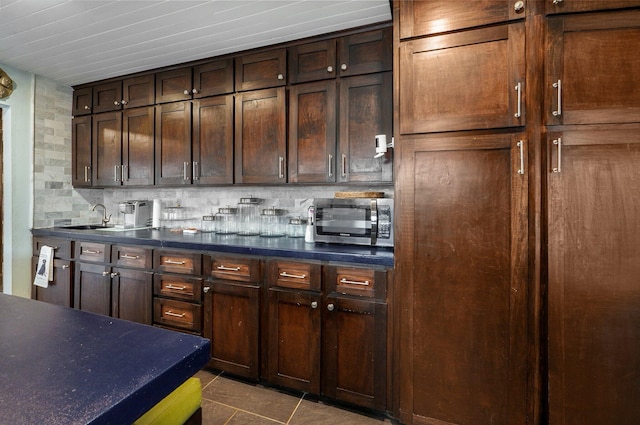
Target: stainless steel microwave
<point x="357" y="221"/>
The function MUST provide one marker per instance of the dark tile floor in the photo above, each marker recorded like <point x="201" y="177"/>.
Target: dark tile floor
<point x="227" y="401"/>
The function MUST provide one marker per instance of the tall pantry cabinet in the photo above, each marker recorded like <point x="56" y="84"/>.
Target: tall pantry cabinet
<point x="517" y="195"/>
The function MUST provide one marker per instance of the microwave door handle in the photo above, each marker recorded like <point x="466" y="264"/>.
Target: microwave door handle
<point x="374" y="221"/>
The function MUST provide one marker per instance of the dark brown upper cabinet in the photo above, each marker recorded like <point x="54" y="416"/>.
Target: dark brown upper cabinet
<point x="355" y="54"/>
<point x="261" y="70"/>
<point x="212" y="140"/>
<point x="312" y="132"/>
<point x="208" y="79"/>
<point x="173" y="144"/>
<point x="260" y="136"/>
<point x="568" y="6"/>
<point x="138" y="91"/>
<point x="365" y="111"/>
<point x="418" y="18"/>
<point x="81" y="150"/>
<point x="82" y="101"/>
<point x="127" y="93"/>
<point x="365" y="52"/>
<point x="107" y="97"/>
<point x="592" y="68"/>
<point x="462" y="81"/>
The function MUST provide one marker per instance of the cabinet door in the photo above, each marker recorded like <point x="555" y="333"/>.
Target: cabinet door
<point x="419" y="17"/>
<point x="592" y="68"/>
<point x="81" y="151"/>
<point x="213" y="140"/>
<point x="107" y="97"/>
<point x="312" y="61"/>
<point x="173" y="144"/>
<point x="92" y="288"/>
<point x="366" y="110"/>
<point x="463" y="309"/>
<point x="174" y="85"/>
<point x="132" y="295"/>
<point x="594" y="270"/>
<point x="232" y="314"/>
<point x="261" y="70"/>
<point x="138" y="127"/>
<point x="463" y="81"/>
<point x="312" y="132"/>
<point x="365" y="53"/>
<point x="260" y="136"/>
<point x="82" y="101"/>
<point x="566" y="6"/>
<point x="60" y="289"/>
<point x="213" y="78"/>
<point x="138" y="91"/>
<point x="294" y="339"/>
<point x="355" y="351"/>
<point x="107" y="149"/>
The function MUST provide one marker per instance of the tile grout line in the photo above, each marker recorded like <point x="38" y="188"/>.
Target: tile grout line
<point x="245" y="411"/>
<point x="295" y="409"/>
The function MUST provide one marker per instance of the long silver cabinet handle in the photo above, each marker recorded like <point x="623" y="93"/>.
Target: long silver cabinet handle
<point x="196" y="175"/>
<point x="281" y="167"/>
<point x="293" y="276"/>
<point x="558" y="143"/>
<point x="177" y="288"/>
<point x="518" y="114"/>
<point x="130" y="257"/>
<point x="330" y="165"/>
<point x="228" y="269"/>
<point x="172" y="314"/>
<point x="344" y="165"/>
<point x="179" y="263"/>
<point x="185" y="167"/>
<point x="520" y="145"/>
<point x="558" y="86"/>
<point x="123" y="173"/>
<point x="90" y="251"/>
<point x="354" y="282"/>
<point x="115" y="173"/>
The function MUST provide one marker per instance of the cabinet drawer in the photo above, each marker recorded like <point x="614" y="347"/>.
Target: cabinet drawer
<point x="178" y="262"/>
<point x="356" y="281"/>
<point x="177" y="314"/>
<point x="176" y="286"/>
<point x="131" y="256"/>
<point x="293" y="274"/>
<point x="61" y="247"/>
<point x="93" y="252"/>
<point x="231" y="268"/>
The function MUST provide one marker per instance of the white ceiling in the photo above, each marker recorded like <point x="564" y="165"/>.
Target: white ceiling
<point x="78" y="41"/>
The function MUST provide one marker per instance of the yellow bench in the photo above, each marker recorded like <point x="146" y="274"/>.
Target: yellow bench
<point x="181" y="407"/>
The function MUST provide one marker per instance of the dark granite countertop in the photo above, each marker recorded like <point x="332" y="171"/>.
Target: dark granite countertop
<point x="285" y="247"/>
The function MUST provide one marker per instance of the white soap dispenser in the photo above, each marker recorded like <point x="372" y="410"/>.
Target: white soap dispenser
<point x="309" y="231"/>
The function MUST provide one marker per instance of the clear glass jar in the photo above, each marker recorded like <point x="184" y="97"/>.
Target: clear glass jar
<point x="226" y="221"/>
<point x="297" y="227"/>
<point x="249" y="216"/>
<point x="273" y="223"/>
<point x="208" y="224"/>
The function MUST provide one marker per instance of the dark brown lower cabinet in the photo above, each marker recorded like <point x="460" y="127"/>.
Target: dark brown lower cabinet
<point x="354" y="356"/>
<point x="92" y="289"/>
<point x="594" y="276"/>
<point x="232" y="323"/>
<point x="462" y="264"/>
<point x="132" y="295"/>
<point x="121" y="293"/>
<point x="294" y="339"/>
<point x="60" y="289"/>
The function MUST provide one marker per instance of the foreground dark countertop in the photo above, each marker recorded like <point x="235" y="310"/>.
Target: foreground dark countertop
<point x="65" y="366"/>
<point x="285" y="247"/>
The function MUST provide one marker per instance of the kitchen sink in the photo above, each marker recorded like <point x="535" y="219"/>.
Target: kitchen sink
<point x="87" y="227"/>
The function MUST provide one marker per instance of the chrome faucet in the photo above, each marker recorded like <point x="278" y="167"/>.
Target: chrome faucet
<point x="105" y="219"/>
